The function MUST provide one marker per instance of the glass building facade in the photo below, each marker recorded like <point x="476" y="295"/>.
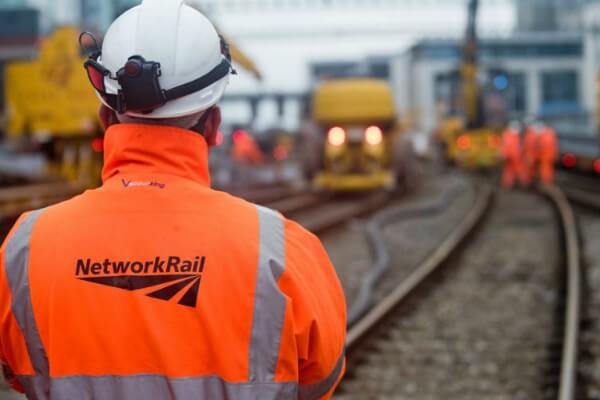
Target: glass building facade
<point x="550" y="15"/>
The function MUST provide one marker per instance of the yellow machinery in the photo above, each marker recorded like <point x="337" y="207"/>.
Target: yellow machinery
<point x="51" y="104"/>
<point x="470" y="142"/>
<point x="360" y="122"/>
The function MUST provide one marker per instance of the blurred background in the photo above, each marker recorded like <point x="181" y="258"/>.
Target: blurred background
<point x="533" y="59"/>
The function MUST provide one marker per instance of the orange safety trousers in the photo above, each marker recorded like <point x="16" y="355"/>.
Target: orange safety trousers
<point x="511" y="151"/>
<point x="530" y="156"/>
<point x="155" y="286"/>
<point x="548" y="148"/>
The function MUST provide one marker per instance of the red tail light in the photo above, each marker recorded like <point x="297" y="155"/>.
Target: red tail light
<point x="239" y="136"/>
<point x="98" y="145"/>
<point x="493" y="141"/>
<point x="219" y="139"/>
<point x="597" y="166"/>
<point x="336" y="136"/>
<point x="569" y="160"/>
<point x="463" y="142"/>
<point x="280" y="153"/>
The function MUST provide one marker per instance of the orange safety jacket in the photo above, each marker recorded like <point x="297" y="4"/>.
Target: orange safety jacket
<point x="548" y="145"/>
<point x="531" y="145"/>
<point x="155" y="286"/>
<point x="511" y="145"/>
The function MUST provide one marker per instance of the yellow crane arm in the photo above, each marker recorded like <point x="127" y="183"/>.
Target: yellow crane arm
<point x="239" y="57"/>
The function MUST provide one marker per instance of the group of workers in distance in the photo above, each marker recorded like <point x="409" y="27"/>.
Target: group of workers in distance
<point x="529" y="152"/>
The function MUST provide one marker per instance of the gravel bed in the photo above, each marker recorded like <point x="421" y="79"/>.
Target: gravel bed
<point x="578" y="180"/>
<point x="350" y="252"/>
<point x="589" y="364"/>
<point x="485" y="327"/>
<point x="410" y="241"/>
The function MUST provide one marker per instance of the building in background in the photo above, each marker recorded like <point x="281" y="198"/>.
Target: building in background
<point x="542" y="75"/>
<point x="96" y="15"/>
<point x="549" y="15"/>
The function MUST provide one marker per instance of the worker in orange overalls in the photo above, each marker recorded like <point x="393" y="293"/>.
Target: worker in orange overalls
<point x="155" y="286"/>
<point x="245" y="149"/>
<point x="512" y="154"/>
<point x="548" y="153"/>
<point x="530" y="153"/>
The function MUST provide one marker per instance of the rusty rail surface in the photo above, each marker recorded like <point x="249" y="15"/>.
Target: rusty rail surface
<point x="570" y="350"/>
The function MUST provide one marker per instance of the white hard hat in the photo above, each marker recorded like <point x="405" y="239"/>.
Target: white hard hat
<point x="161" y="49"/>
<point x="515" y="126"/>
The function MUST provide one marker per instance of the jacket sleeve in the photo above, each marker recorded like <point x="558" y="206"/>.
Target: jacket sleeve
<point x="319" y="313"/>
<point x="6" y="316"/>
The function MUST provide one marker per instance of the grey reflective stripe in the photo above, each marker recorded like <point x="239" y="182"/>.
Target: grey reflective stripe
<point x="269" y="302"/>
<point x="148" y="387"/>
<point x="16" y="264"/>
<point x="317" y="390"/>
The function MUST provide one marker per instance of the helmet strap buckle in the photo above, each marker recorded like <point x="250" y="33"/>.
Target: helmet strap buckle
<point x="140" y="87"/>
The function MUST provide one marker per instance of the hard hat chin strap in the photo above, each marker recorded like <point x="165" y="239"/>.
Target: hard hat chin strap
<point x="141" y="91"/>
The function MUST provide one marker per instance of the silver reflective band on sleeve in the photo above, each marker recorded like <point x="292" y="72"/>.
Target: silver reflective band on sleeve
<point x="16" y="264"/>
<point x="269" y="302"/>
<point x="317" y="390"/>
<point x="155" y="387"/>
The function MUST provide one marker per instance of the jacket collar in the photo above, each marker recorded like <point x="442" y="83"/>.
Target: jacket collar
<point x="148" y="149"/>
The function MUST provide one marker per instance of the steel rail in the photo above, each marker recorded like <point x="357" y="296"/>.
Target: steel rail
<point x="568" y="370"/>
<point x="17" y="193"/>
<point x="377" y="314"/>
<point x="583" y="198"/>
<point x="18" y="199"/>
<point x="298" y="203"/>
<point x="265" y="195"/>
<point x="324" y="221"/>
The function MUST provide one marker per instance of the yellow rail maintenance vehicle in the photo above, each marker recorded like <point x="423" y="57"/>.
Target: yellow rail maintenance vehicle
<point x="473" y="149"/>
<point x="359" y="120"/>
<point x="51" y="105"/>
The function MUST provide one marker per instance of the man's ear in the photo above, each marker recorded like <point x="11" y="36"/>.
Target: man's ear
<point x="107" y="117"/>
<point x="212" y="126"/>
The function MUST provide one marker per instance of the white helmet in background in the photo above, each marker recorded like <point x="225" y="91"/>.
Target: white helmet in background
<point x="162" y="59"/>
<point x="539" y="126"/>
<point x="515" y="126"/>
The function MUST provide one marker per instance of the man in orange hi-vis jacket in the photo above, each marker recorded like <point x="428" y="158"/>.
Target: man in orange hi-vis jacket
<point x="530" y="154"/>
<point x="512" y="154"/>
<point x="155" y="286"/>
<point x="548" y="148"/>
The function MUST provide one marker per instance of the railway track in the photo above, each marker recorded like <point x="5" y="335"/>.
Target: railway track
<point x="588" y="214"/>
<point x="494" y="323"/>
<point x="266" y="195"/>
<point x="334" y="212"/>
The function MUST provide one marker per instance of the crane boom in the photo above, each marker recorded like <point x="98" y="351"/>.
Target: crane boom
<point x="469" y="70"/>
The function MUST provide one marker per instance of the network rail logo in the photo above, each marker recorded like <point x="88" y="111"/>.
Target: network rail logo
<point x="160" y="278"/>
